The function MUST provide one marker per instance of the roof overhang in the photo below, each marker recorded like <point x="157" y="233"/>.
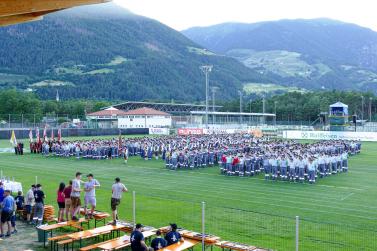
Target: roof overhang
<point x="20" y="11"/>
<point x="249" y="114"/>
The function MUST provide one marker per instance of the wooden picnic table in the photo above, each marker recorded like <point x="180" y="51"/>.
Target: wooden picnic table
<point x="122" y="242"/>
<point x="181" y="245"/>
<point x="97" y="216"/>
<point x="79" y="236"/>
<point x="52" y="227"/>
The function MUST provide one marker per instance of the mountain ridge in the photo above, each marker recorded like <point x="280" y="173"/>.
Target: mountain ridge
<point x="347" y="51"/>
<point x="103" y="52"/>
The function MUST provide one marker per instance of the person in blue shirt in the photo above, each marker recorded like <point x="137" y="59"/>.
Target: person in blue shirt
<point x="158" y="242"/>
<point x="173" y="236"/>
<point x="137" y="239"/>
<point x="6" y="214"/>
<point x="1" y="192"/>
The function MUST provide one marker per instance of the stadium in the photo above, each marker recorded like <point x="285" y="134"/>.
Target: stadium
<point x="214" y="167"/>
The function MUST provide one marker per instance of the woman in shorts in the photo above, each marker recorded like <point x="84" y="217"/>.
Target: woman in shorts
<point x="61" y="201"/>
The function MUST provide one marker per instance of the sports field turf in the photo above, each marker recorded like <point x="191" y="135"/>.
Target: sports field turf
<point x="337" y="213"/>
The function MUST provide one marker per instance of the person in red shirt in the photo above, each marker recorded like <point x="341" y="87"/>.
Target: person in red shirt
<point x="61" y="201"/>
<point x="67" y="200"/>
<point x="236" y="162"/>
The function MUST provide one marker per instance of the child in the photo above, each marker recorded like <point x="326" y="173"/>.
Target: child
<point x="13" y="217"/>
<point x="20" y="200"/>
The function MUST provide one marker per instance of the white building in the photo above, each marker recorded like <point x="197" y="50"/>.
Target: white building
<point x="144" y="118"/>
<point x="107" y="118"/>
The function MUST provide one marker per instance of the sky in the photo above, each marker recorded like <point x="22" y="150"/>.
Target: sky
<point x="182" y="14"/>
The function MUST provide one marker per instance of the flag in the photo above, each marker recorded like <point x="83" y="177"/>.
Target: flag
<point x="45" y="133"/>
<point x="52" y="135"/>
<point x="13" y="139"/>
<point x="59" y="134"/>
<point x="31" y="135"/>
<point x="38" y="138"/>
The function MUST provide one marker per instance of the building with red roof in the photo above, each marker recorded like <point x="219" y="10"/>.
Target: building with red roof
<point x="145" y="118"/>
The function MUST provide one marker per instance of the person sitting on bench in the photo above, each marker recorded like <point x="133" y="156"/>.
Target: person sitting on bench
<point x="137" y="239"/>
<point x="158" y="242"/>
<point x="173" y="236"/>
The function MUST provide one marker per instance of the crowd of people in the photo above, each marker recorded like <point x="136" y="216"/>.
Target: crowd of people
<point x="236" y="154"/>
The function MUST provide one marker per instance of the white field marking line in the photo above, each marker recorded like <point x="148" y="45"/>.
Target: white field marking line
<point x="347" y="196"/>
<point x="252" y="194"/>
<point x="309" y="201"/>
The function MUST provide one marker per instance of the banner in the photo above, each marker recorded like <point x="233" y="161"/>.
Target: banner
<point x="190" y="131"/>
<point x="330" y="135"/>
<point x="13" y="139"/>
<point x="159" y="131"/>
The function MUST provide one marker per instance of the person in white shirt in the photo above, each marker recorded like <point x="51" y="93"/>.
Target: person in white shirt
<point x="90" y="194"/>
<point x="117" y="190"/>
<point x="29" y="202"/>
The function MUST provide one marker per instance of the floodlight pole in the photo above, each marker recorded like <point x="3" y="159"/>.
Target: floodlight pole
<point x="213" y="90"/>
<point x="370" y="109"/>
<point x="362" y="107"/>
<point x="240" y="93"/>
<point x="264" y="108"/>
<point x="206" y="70"/>
<point x="275" y="103"/>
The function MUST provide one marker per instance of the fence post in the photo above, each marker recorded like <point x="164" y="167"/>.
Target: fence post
<point x="36" y="180"/>
<point x="203" y="225"/>
<point x="134" y="207"/>
<point x="297" y="231"/>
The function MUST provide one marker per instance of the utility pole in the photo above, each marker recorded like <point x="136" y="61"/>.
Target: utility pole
<point x="370" y="109"/>
<point x="206" y="70"/>
<point x="264" y="107"/>
<point x="275" y="103"/>
<point x="213" y="90"/>
<point x="240" y="93"/>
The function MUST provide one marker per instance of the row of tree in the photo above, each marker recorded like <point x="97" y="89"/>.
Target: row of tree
<point x="14" y="104"/>
<point x="296" y="106"/>
<point x="293" y="106"/>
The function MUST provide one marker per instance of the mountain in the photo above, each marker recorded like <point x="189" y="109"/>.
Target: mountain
<point x="106" y="52"/>
<point x="311" y="54"/>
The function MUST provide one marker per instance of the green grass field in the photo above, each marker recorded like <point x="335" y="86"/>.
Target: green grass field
<point x="337" y="213"/>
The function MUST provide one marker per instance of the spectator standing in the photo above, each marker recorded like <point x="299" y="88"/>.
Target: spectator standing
<point x="117" y="189"/>
<point x="6" y="213"/>
<point x="29" y="202"/>
<point x="61" y="201"/>
<point x="75" y="196"/>
<point x="90" y="194"/>
<point x="67" y="201"/>
<point x="39" y="197"/>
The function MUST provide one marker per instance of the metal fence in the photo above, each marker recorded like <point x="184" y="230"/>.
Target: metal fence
<point x="269" y="231"/>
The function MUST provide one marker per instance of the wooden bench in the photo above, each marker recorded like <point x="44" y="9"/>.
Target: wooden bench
<point x="95" y="246"/>
<point x="65" y="244"/>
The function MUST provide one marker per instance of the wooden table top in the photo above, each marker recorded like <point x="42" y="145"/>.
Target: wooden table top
<point x="182" y="245"/>
<point x="94" y="232"/>
<point x="122" y="242"/>
<point x="98" y="215"/>
<point x="62" y="224"/>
